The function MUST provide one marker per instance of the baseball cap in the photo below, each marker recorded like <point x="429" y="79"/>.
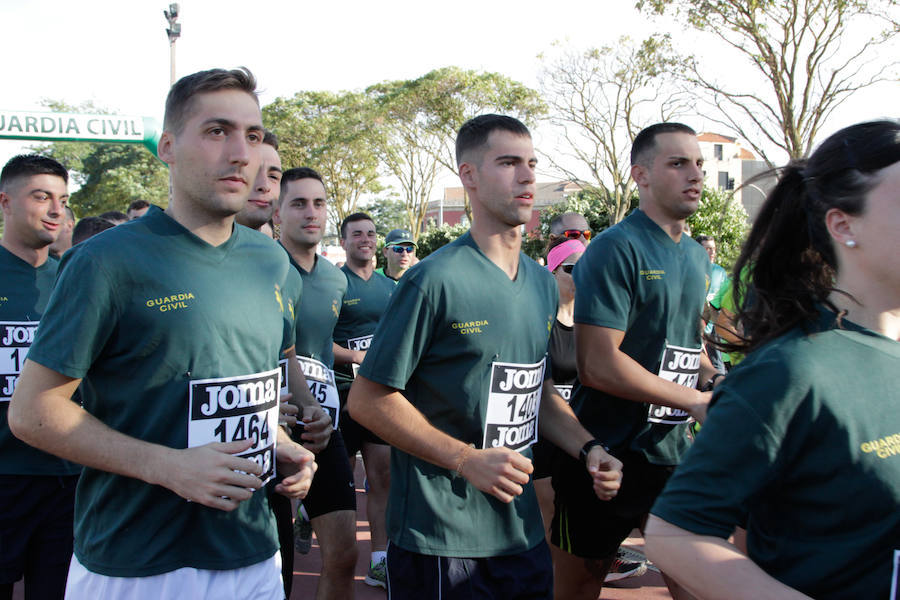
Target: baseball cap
<point x="399" y="236"/>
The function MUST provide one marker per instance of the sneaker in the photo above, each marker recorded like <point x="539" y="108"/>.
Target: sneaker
<point x="377" y="575"/>
<point x="302" y="533"/>
<point x="623" y="568"/>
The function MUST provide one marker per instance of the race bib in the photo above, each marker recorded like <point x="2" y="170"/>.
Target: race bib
<point x="895" y="577"/>
<point x="360" y="343"/>
<point x="320" y="380"/>
<point x="228" y="409"/>
<point x="15" y="340"/>
<point x="514" y="400"/>
<point x="282" y="367"/>
<point x="565" y="391"/>
<point x="681" y="365"/>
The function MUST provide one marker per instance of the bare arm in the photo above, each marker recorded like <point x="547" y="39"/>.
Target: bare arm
<point x="345" y="356"/>
<point x="710" y="567"/>
<point x="42" y="414"/>
<point x="317" y="424"/>
<point x="725" y="327"/>
<point x="559" y="424"/>
<point x="500" y="472"/>
<point x="296" y="463"/>
<point x="603" y="366"/>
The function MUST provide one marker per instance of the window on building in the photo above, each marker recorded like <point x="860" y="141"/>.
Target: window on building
<point x="723" y="180"/>
<point x="717" y="151"/>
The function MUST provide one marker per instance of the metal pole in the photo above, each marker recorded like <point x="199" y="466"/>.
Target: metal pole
<point x="174" y="32"/>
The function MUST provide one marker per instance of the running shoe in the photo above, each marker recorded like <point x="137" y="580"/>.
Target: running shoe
<point x="377" y="575"/>
<point x="623" y="568"/>
<point x="302" y="532"/>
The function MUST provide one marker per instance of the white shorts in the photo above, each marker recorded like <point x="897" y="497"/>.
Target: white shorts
<point x="261" y="581"/>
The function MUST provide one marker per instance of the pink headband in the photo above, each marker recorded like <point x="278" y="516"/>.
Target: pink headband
<point x="562" y="252"/>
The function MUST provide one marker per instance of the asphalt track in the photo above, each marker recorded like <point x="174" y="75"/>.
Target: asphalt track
<point x="649" y="586"/>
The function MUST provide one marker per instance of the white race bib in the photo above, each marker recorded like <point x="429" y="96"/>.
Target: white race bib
<point x="320" y="380"/>
<point x="360" y="343"/>
<point x="895" y="577"/>
<point x="15" y="340"/>
<point x="514" y="400"/>
<point x="228" y="409"/>
<point x="565" y="391"/>
<point x="681" y="365"/>
<point x="282" y="367"/>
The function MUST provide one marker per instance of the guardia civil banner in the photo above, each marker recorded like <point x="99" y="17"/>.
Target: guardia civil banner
<point x="80" y="127"/>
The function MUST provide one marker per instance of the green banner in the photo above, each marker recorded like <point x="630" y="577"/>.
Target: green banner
<point x="80" y="127"/>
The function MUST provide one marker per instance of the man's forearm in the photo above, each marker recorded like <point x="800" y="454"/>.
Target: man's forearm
<point x="558" y="423"/>
<point x="346" y="356"/>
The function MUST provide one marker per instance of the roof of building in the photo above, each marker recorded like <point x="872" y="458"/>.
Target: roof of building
<point x="715" y="137"/>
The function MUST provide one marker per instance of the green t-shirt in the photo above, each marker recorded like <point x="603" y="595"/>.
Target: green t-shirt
<point x="803" y="444"/>
<point x="635" y="279"/>
<point x="362" y="307"/>
<point x="457" y="333"/>
<point x="178" y="344"/>
<point x="24" y="292"/>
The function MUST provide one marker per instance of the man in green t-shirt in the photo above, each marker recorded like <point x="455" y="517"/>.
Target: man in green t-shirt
<point x="456" y="379"/>
<point x="37" y="490"/>
<point x="364" y="303"/>
<point x="640" y="292"/>
<point x="175" y="323"/>
<point x="399" y="254"/>
<point x="330" y="505"/>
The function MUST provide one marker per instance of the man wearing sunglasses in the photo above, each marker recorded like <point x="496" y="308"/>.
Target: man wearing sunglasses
<point x="399" y="252"/>
<point x="572" y="226"/>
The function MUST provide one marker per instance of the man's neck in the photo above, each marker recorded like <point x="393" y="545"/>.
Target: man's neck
<point x="395" y="276"/>
<point x="33" y="256"/>
<point x="305" y="256"/>
<point x="215" y="230"/>
<point x="672" y="226"/>
<point x="500" y="242"/>
<point x="363" y="269"/>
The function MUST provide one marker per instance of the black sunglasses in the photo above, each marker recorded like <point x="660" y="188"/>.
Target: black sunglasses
<point x="567" y="268"/>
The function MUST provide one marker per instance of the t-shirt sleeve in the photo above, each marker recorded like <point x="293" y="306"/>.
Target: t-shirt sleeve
<point x="401" y="338"/>
<point x="293" y="288"/>
<point x="604" y="284"/>
<point x="80" y="317"/>
<point x="719" y="300"/>
<point x="735" y="456"/>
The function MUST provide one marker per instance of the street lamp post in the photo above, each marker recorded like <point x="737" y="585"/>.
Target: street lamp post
<point x="174" y="32"/>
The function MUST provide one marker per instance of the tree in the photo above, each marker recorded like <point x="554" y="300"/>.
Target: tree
<point x="333" y="133"/>
<point x="724" y="218"/>
<point x="420" y="118"/>
<point x="599" y="100"/>
<point x="809" y="63"/>
<point x="436" y="236"/>
<point x="388" y="213"/>
<point x="110" y="176"/>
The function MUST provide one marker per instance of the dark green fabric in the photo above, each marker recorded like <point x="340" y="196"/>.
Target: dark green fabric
<point x="139" y="312"/>
<point x="450" y="318"/>
<point x="24" y="292"/>
<point x="324" y="289"/>
<point x="635" y="279"/>
<point x="362" y="307"/>
<point x="803" y="443"/>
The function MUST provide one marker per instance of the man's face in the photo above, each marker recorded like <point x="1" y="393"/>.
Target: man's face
<point x="303" y="212"/>
<point x="710" y="247"/>
<point x="359" y="241"/>
<point x="674" y="179"/>
<point x="215" y="158"/>
<point x="398" y="262"/>
<point x="572" y="223"/>
<point x="134" y="213"/>
<point x="264" y="196"/>
<point x="503" y="181"/>
<point x="34" y="209"/>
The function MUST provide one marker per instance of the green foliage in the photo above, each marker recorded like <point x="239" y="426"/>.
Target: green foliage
<point x="389" y="213"/>
<point x="435" y="237"/>
<point x="724" y="218"/>
<point x="111" y="176"/>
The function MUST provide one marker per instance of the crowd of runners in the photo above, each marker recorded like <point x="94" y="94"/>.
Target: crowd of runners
<point x="195" y="394"/>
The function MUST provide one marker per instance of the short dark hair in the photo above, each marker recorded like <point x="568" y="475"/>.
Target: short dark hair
<point x="270" y="138"/>
<point x="138" y="205"/>
<point x="357" y="216"/>
<point x="704" y="238"/>
<point x="296" y="174"/>
<point x="89" y="227"/>
<point x="178" y="102"/>
<point x="645" y="142"/>
<point x="27" y="165"/>
<point x="474" y="132"/>
<point x="554" y="223"/>
<point x="113" y="215"/>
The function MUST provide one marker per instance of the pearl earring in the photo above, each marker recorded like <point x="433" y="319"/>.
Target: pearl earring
<point x="850" y="243"/>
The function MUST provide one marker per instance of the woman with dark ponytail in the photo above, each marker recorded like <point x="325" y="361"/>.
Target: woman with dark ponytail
<point x="802" y="441"/>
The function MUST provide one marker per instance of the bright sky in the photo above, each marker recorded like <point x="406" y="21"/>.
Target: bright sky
<point x="117" y="54"/>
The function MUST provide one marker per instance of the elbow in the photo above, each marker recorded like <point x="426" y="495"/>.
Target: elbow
<point x="594" y="376"/>
<point x="18" y="420"/>
<point x="355" y="406"/>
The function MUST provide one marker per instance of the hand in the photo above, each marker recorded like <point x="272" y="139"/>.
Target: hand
<point x="500" y="472"/>
<point x="698" y="410"/>
<point x="287" y="413"/>
<point x="317" y="428"/>
<point x="298" y="464"/>
<point x="211" y="475"/>
<point x="606" y="472"/>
